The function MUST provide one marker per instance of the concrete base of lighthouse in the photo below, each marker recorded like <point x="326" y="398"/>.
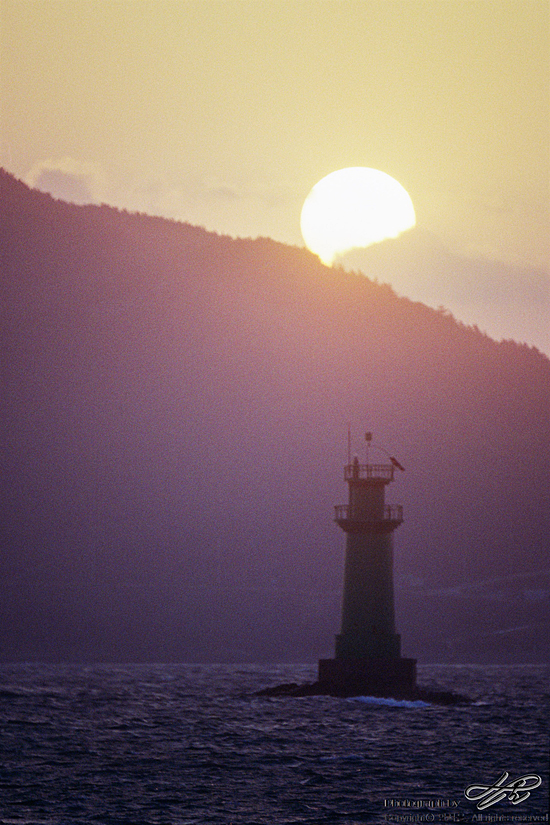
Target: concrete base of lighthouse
<point x="384" y="678"/>
<point x="370" y="677"/>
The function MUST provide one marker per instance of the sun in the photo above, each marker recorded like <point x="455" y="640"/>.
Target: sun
<point x="354" y="207"/>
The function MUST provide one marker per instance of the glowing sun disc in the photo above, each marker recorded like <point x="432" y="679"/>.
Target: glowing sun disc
<point x="353" y="208"/>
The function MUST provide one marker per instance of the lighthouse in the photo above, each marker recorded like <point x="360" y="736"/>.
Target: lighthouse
<point x="368" y="649"/>
<point x="367" y="660"/>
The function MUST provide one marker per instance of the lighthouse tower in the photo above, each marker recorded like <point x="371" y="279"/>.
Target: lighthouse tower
<point x="368" y="649"/>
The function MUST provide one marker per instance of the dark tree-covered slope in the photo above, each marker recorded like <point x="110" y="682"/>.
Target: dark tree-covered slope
<point x="174" y="425"/>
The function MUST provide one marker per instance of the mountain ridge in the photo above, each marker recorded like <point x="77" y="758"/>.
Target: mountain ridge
<point x="175" y="414"/>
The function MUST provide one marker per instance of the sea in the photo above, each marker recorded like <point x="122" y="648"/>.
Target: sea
<point x="189" y="744"/>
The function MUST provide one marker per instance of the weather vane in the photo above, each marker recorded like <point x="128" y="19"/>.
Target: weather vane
<point x="392" y="458"/>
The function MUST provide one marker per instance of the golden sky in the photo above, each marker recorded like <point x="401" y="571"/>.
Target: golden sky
<point x="225" y="114"/>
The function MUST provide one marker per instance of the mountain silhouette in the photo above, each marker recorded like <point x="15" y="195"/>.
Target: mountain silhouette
<point x="175" y="407"/>
<point x="504" y="300"/>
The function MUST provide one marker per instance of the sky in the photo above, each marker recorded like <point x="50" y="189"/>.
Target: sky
<point x="225" y="114"/>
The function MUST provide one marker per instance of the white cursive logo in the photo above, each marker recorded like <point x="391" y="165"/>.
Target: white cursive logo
<point x="517" y="791"/>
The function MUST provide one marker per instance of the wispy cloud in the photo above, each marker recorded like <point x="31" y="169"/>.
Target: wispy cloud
<point x="230" y="207"/>
<point x="76" y="181"/>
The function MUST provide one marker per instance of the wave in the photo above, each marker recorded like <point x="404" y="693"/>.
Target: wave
<point x="394" y="703"/>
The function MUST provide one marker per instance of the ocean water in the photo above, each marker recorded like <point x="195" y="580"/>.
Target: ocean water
<point x="193" y="745"/>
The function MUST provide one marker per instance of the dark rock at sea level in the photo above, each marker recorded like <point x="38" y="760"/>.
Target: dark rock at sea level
<point x="295" y="690"/>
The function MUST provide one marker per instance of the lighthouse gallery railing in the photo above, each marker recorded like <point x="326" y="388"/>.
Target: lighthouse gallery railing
<point x="392" y="512"/>
<point x="368" y="471"/>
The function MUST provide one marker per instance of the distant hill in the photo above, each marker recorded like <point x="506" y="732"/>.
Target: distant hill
<point x="174" y="414"/>
<point x="506" y="301"/>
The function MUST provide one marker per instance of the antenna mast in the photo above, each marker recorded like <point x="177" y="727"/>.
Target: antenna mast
<point x="368" y="439"/>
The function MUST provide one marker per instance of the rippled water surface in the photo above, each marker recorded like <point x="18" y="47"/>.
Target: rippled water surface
<point x="177" y="744"/>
